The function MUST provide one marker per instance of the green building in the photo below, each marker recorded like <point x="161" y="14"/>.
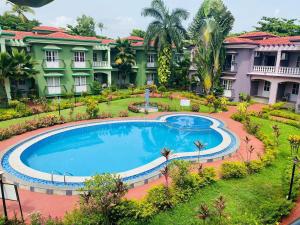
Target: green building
<point x="69" y="64"/>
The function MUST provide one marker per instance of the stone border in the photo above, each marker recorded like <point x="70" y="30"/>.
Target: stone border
<point x="136" y="177"/>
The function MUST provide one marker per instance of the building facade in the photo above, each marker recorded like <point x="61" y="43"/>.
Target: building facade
<point x="69" y="64"/>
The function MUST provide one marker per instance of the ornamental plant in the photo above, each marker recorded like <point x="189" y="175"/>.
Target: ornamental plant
<point x="294" y="143"/>
<point x="92" y="108"/>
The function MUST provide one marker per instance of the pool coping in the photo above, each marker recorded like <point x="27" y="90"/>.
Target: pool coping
<point x="143" y="176"/>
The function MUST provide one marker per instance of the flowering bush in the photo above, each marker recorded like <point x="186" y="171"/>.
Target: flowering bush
<point x="123" y="114"/>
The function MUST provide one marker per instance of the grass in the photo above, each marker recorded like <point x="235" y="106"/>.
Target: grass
<point x="245" y="197"/>
<point x="114" y="107"/>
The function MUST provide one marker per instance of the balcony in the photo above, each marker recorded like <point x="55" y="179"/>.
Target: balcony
<point x="57" y="64"/>
<point x="264" y="69"/>
<point x="52" y="91"/>
<point x="100" y="64"/>
<point x="80" y="89"/>
<point x="81" y="65"/>
<point x="289" y="70"/>
<point x="151" y="64"/>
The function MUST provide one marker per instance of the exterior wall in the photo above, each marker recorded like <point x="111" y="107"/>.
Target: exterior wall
<point x="293" y="56"/>
<point x="141" y="61"/>
<point x="244" y="61"/>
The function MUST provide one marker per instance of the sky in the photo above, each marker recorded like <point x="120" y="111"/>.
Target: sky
<point x="121" y="16"/>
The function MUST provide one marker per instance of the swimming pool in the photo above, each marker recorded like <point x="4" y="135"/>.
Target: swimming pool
<point x="130" y="148"/>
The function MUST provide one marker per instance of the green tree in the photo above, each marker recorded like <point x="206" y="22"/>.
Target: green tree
<point x="15" y="66"/>
<point x="279" y="26"/>
<point x="101" y="194"/>
<point x="138" y="33"/>
<point x="86" y="26"/>
<point x="20" y="11"/>
<point x="12" y="22"/>
<point x="165" y="30"/>
<point x="125" y="58"/>
<point x="180" y="72"/>
<point x="209" y="28"/>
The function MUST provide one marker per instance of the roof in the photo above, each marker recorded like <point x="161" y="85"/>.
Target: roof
<point x="257" y="34"/>
<point x="107" y="41"/>
<point x="48" y="28"/>
<point x="268" y="39"/>
<point x="134" y="38"/>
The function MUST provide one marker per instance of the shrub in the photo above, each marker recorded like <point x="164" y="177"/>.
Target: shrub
<point x="160" y="197"/>
<point x="255" y="166"/>
<point x="252" y="128"/>
<point x="286" y="179"/>
<point x="105" y="115"/>
<point x="233" y="170"/>
<point x="238" y="117"/>
<point x="223" y="103"/>
<point x="162" y="89"/>
<point x="216" y="104"/>
<point x="123" y="114"/>
<point x="133" y="108"/>
<point x="78" y="217"/>
<point x="209" y="175"/>
<point x="13" y="103"/>
<point x="92" y="108"/>
<point x="244" y="97"/>
<point x="179" y="172"/>
<point x="195" y="107"/>
<point x="285" y="114"/>
<point x="268" y="158"/>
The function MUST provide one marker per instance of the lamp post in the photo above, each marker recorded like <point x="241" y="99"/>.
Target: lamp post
<point x="295" y="162"/>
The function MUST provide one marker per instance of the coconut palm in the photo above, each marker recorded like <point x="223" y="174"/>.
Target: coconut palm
<point x="15" y="66"/>
<point x="163" y="32"/>
<point x="166" y="152"/>
<point x="125" y="58"/>
<point x="20" y="10"/>
<point x="200" y="147"/>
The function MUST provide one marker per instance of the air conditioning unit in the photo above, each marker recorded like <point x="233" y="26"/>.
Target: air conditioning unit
<point x="284" y="56"/>
<point x="257" y="54"/>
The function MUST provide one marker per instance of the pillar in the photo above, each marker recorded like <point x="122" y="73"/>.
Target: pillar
<point x="278" y="60"/>
<point x="6" y="80"/>
<point x="108" y="57"/>
<point x="109" y="78"/>
<point x="297" y="107"/>
<point x="273" y="92"/>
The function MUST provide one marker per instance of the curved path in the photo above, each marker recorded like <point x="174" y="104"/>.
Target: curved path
<point x="57" y="206"/>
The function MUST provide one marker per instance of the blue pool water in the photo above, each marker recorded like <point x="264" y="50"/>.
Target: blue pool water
<point x="117" y="147"/>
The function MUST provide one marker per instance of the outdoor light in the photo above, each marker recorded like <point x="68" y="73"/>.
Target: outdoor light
<point x="295" y="162"/>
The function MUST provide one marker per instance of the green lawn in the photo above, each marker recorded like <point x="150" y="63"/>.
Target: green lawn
<point x="115" y="107"/>
<point x="244" y="198"/>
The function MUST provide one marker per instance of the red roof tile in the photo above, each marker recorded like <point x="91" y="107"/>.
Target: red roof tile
<point x="257" y="34"/>
<point x="107" y="41"/>
<point x="62" y="35"/>
<point x="134" y="38"/>
<point x="238" y="40"/>
<point x="137" y="44"/>
<point x="48" y="28"/>
<point x="275" y="41"/>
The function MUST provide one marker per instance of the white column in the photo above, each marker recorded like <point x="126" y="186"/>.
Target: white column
<point x="6" y="80"/>
<point x="278" y="59"/>
<point x="108" y="57"/>
<point x="109" y="78"/>
<point x="298" y="103"/>
<point x="273" y="92"/>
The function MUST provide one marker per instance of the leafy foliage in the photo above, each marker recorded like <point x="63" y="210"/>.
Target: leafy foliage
<point x="138" y="33"/>
<point x="279" y="26"/>
<point x="86" y="26"/>
<point x="13" y="22"/>
<point x="164" y="68"/>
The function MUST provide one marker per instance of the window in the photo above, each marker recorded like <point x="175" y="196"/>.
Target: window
<point x="232" y="59"/>
<point x="298" y="62"/>
<point x="267" y="86"/>
<point x="227" y="84"/>
<point x="80" y="81"/>
<point x="295" y="89"/>
<point x="51" y="56"/>
<point x="95" y="57"/>
<point x="53" y="81"/>
<point x="151" y="58"/>
<point x="79" y="56"/>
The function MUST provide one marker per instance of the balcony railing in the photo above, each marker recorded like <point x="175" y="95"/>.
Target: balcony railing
<point x="230" y="67"/>
<point x="151" y="64"/>
<point x="54" y="65"/>
<point x="100" y="64"/>
<point x="264" y="69"/>
<point x="81" y="64"/>
<point x="289" y="70"/>
<point x="55" y="90"/>
<point x="80" y="89"/>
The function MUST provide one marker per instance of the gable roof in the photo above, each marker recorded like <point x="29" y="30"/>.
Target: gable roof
<point x="257" y="34"/>
<point x="48" y="28"/>
<point x="133" y="38"/>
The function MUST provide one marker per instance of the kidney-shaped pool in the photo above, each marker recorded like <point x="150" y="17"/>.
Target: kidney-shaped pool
<point x="129" y="148"/>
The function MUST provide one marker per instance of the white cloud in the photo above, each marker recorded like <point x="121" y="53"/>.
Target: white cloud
<point x="62" y="21"/>
<point x="277" y="11"/>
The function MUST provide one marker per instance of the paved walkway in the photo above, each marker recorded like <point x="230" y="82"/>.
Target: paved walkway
<point x="56" y="206"/>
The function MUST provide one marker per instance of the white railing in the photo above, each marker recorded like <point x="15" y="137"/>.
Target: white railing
<point x="289" y="70"/>
<point x="100" y="64"/>
<point x="151" y="64"/>
<point x="264" y="69"/>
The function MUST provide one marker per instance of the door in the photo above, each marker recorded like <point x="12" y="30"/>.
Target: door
<point x="79" y="60"/>
<point x="53" y="85"/>
<point x="52" y="60"/>
<point x="266" y="89"/>
<point x="80" y="84"/>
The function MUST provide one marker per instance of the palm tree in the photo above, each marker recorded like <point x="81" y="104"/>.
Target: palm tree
<point x="165" y="31"/>
<point x="200" y="147"/>
<point x="125" y="58"/>
<point x="20" y="10"/>
<point x="166" y="153"/>
<point x="17" y="66"/>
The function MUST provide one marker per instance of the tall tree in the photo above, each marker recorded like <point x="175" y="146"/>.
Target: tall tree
<point x="165" y="30"/>
<point x="20" y="11"/>
<point x="138" y="33"/>
<point x="279" y="26"/>
<point x="86" y="26"/>
<point x="15" y="66"/>
<point x="209" y="28"/>
<point x="12" y="22"/>
<point x="125" y="58"/>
